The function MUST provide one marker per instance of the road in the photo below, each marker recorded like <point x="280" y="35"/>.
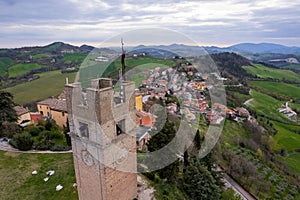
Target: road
<point x="229" y="182"/>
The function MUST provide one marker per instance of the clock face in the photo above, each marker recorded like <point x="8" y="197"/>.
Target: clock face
<point x="87" y="158"/>
<point x="121" y="156"/>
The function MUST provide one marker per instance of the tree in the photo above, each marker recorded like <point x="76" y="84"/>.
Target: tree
<point x="199" y="183"/>
<point x="66" y="132"/>
<point x="186" y="158"/>
<point x="198" y="140"/>
<point x="160" y="140"/>
<point x="7" y="112"/>
<point x="9" y="129"/>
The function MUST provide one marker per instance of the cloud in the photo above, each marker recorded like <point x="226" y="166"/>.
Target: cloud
<point x="211" y="22"/>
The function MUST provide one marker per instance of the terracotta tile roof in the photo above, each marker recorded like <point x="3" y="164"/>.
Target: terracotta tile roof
<point x="20" y="110"/>
<point x="62" y="95"/>
<point x="55" y="104"/>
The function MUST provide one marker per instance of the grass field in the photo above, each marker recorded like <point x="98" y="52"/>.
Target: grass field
<point x="266" y="105"/>
<point x="289" y="140"/>
<point x="40" y="55"/>
<point x="293" y="161"/>
<point x="267" y="72"/>
<point x="74" y="57"/>
<point x="20" y="69"/>
<point x="4" y="63"/>
<point x="49" y="84"/>
<point x="17" y="182"/>
<point x="286" y="137"/>
<point x="279" y="88"/>
<point x="233" y="130"/>
<point x="137" y="74"/>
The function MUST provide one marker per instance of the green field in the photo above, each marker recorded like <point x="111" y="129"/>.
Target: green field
<point x="286" y="137"/>
<point x="267" y="72"/>
<point x="266" y="105"/>
<point x="4" y="63"/>
<point x="40" y="55"/>
<point x="137" y="74"/>
<point x="293" y="161"/>
<point x="49" y="84"/>
<point x="20" y="69"/>
<point x="74" y="57"/>
<point x="17" y="182"/>
<point x="289" y="140"/>
<point x="279" y="88"/>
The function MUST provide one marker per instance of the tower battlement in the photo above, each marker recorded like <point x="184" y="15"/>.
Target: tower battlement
<point x="104" y="149"/>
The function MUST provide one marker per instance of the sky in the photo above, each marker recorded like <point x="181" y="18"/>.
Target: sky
<point x="207" y="22"/>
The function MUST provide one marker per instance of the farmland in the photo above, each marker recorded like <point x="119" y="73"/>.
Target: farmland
<point x="49" y="84"/>
<point x="266" y="105"/>
<point x="4" y="63"/>
<point x="20" y="69"/>
<point x="279" y="88"/>
<point x="262" y="71"/>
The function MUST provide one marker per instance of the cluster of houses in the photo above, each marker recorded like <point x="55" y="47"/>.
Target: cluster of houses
<point x="51" y="108"/>
<point x="163" y="83"/>
<point x="288" y="112"/>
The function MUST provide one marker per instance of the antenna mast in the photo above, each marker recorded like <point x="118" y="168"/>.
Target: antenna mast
<point x="123" y="61"/>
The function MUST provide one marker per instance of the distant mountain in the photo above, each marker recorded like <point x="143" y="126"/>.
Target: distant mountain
<point x="263" y="48"/>
<point x="86" y="48"/>
<point x="185" y="50"/>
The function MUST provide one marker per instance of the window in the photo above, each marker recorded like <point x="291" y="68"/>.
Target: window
<point x="40" y="107"/>
<point x="84" y="130"/>
<point x="83" y="99"/>
<point x="63" y="114"/>
<point x="48" y="114"/>
<point x="120" y="127"/>
<point x="47" y="107"/>
<point x="42" y="113"/>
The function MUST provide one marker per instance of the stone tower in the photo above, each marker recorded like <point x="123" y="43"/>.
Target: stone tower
<point x="104" y="150"/>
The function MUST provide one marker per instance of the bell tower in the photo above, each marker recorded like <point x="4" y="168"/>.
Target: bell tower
<point x="104" y="150"/>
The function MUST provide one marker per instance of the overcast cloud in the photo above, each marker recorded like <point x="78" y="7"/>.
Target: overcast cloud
<point x="39" y="22"/>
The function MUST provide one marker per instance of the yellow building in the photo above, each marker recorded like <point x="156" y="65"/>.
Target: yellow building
<point x="139" y="102"/>
<point x="23" y="114"/>
<point x="55" y="109"/>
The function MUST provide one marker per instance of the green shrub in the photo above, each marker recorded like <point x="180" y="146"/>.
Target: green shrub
<point x="23" y="141"/>
<point x="56" y="134"/>
<point x="34" y="131"/>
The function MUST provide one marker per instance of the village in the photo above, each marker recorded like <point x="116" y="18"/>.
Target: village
<point x="184" y="92"/>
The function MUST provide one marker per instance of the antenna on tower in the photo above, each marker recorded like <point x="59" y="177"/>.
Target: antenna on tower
<point x="123" y="61"/>
<point x="122" y="74"/>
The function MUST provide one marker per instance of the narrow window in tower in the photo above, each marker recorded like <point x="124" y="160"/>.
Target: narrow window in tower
<point x="120" y="127"/>
<point x="84" y="130"/>
<point x="83" y="99"/>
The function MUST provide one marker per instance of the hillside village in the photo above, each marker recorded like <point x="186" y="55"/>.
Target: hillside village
<point x="250" y="136"/>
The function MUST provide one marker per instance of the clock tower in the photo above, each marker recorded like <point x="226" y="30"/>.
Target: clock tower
<point x="104" y="150"/>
